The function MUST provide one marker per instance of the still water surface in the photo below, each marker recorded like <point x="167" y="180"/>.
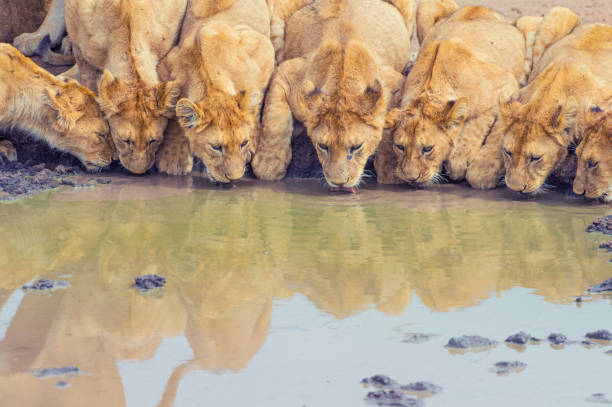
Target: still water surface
<point x="283" y="295"/>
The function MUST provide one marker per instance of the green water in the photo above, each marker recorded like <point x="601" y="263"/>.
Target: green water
<point x="285" y="295"/>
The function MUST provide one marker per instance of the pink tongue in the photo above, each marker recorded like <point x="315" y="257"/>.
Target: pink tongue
<point x="341" y="189"/>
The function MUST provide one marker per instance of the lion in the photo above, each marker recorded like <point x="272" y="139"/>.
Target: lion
<point x="594" y="173"/>
<point x="62" y="113"/>
<point x="118" y="46"/>
<point x="339" y="73"/>
<point x="20" y="16"/>
<point x="546" y="117"/>
<point x="449" y="99"/>
<point x="222" y="66"/>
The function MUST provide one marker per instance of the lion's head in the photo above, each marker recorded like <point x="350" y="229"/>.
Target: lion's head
<point x="221" y="131"/>
<point x="594" y="174"/>
<point x="423" y="135"/>
<point x="343" y="104"/>
<point x="535" y="142"/>
<point x="138" y="117"/>
<point x="83" y="130"/>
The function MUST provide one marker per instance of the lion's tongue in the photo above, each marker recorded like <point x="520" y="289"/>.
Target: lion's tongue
<point x="342" y="189"/>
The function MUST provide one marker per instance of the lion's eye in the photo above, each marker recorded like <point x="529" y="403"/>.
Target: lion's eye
<point x="427" y="149"/>
<point x="216" y="147"/>
<point x="244" y="144"/>
<point x="153" y="142"/>
<point x="400" y="147"/>
<point x="127" y="141"/>
<point x="356" y="148"/>
<point x="323" y="147"/>
<point x="535" y="158"/>
<point x="101" y="136"/>
<point x="592" y="164"/>
<point x="508" y="153"/>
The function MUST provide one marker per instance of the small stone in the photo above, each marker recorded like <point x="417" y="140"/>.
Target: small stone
<point x="603" y="225"/>
<point x="587" y="344"/>
<point x="469" y="341"/>
<point x="557" y="339"/>
<point x="607" y="246"/>
<point x="103" y="181"/>
<point x="149" y="282"/>
<point x="379" y="381"/>
<point x="578" y="299"/>
<point x="600" y="288"/>
<point x="69" y="182"/>
<point x="601" y="335"/>
<point x="57" y="371"/>
<point x="504" y="368"/>
<point x="417" y="338"/>
<point x="62" y="384"/>
<point x="422" y="387"/>
<point x="392" y="398"/>
<point x="609" y="353"/>
<point x="45" y="284"/>
<point x="520" y="338"/>
<point x="598" y="398"/>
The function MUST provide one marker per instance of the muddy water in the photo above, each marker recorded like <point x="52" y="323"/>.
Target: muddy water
<point x="284" y="295"/>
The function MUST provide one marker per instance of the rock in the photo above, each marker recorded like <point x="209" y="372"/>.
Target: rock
<point x="149" y="282"/>
<point x="600" y="288"/>
<point x="607" y="246"/>
<point x="504" y="368"/>
<point x="380" y="381"/>
<point x="57" y="371"/>
<point x="598" y="398"/>
<point x="470" y="342"/>
<point x="44" y="284"/>
<point x="603" y="225"/>
<point x="587" y="344"/>
<point x="417" y="337"/>
<point x="69" y="182"/>
<point x="103" y="181"/>
<point x="520" y="338"/>
<point x="557" y="339"/>
<point x="601" y="335"/>
<point x="392" y="398"/>
<point x="422" y="387"/>
<point x="62" y="384"/>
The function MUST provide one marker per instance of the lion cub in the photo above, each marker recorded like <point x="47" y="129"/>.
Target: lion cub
<point x="62" y="113"/>
<point x="594" y="174"/>
<point x="449" y="100"/>
<point x="547" y="116"/>
<point x="339" y="68"/>
<point x="222" y="66"/>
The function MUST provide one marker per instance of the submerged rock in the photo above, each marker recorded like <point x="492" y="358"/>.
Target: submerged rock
<point x="44" y="284"/>
<point x="380" y="381"/>
<point x="520" y="338"/>
<point x="62" y="384"/>
<point x="603" y="225"/>
<point x="149" y="282"/>
<point x="470" y="342"/>
<point x="417" y="338"/>
<point x="557" y="339"/>
<point x="422" y="387"/>
<point x="598" y="398"/>
<point x="392" y="398"/>
<point x="600" y="335"/>
<point x="504" y="368"/>
<point x="601" y="288"/>
<point x="56" y="372"/>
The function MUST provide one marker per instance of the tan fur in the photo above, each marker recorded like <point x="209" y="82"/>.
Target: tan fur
<point x="118" y="45"/>
<point x="53" y="25"/>
<point x="449" y="99"/>
<point x="528" y="26"/>
<point x="62" y="113"/>
<point x="546" y="117"/>
<point x="7" y="151"/>
<point x="223" y="66"/>
<point x="594" y="174"/>
<point x="430" y="13"/>
<point x="340" y="70"/>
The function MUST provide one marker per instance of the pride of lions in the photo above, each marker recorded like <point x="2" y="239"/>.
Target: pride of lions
<point x="156" y="82"/>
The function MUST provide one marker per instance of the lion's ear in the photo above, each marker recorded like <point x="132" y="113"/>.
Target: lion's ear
<point x="249" y="101"/>
<point x="457" y="112"/>
<point x="592" y="114"/>
<point x="60" y="104"/>
<point x="166" y="95"/>
<point x="310" y="100"/>
<point x="189" y="115"/>
<point x="112" y="93"/>
<point x="565" y="117"/>
<point x="392" y="118"/>
<point x="507" y="107"/>
<point x="371" y="100"/>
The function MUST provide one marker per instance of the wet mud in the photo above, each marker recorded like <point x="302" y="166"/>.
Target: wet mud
<point x="46" y="285"/>
<point x="505" y="368"/>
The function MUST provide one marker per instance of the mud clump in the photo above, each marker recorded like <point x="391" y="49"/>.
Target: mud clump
<point x="601" y="288"/>
<point x="505" y="368"/>
<point x="470" y="342"/>
<point x="557" y="339"/>
<point x="149" y="282"/>
<point x="422" y="387"/>
<point x="601" y="335"/>
<point x="46" y="285"/>
<point x="57" y="372"/>
<point x="603" y="225"/>
<point x="392" y="398"/>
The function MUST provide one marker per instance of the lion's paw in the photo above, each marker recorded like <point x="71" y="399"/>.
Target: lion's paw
<point x="28" y="43"/>
<point x="66" y="45"/>
<point x="8" y="151"/>
<point x="268" y="169"/>
<point x="484" y="173"/>
<point x="174" y="162"/>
